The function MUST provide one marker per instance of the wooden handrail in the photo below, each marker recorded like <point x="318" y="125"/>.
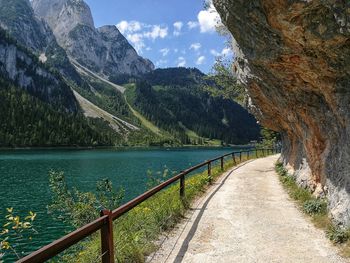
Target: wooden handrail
<point x="56" y="247"/>
<point x="104" y="223"/>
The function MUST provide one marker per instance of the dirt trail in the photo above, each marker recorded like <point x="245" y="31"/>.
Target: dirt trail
<point x="247" y="217"/>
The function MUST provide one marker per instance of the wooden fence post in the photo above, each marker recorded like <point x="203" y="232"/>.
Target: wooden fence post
<point x="234" y="159"/>
<point x="209" y="172"/>
<point x="107" y="245"/>
<point x="182" y="187"/>
<point x="248" y="155"/>
<point x="256" y="153"/>
<point x="240" y="157"/>
<point x="222" y="163"/>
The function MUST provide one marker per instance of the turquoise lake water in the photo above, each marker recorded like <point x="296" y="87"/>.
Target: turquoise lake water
<point x="24" y="178"/>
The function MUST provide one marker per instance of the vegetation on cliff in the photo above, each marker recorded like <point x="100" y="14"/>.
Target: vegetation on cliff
<point x="316" y="208"/>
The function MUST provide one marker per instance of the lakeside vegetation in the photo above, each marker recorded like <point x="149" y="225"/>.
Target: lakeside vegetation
<point x="13" y="229"/>
<point x="316" y="209"/>
<point x="136" y="233"/>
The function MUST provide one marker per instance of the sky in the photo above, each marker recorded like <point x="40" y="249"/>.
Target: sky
<point x="171" y="33"/>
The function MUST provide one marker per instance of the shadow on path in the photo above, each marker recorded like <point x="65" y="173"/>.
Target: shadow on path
<point x="184" y="247"/>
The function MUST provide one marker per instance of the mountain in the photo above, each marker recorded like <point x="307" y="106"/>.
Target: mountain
<point x="22" y="68"/>
<point x="176" y="100"/>
<point x="31" y="59"/>
<point x="104" y="50"/>
<point x="37" y="107"/>
<point x="63" y="82"/>
<point x="18" y="19"/>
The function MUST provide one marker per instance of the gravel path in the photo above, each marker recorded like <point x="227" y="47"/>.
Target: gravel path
<point x="247" y="217"/>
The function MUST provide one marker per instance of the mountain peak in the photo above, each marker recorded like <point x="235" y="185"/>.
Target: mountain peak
<point x="105" y="50"/>
<point x="63" y="15"/>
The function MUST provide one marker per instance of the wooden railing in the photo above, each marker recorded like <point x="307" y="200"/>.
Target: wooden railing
<point x="105" y="222"/>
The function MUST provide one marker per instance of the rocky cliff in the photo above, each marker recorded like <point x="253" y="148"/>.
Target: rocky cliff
<point x="294" y="58"/>
<point x="23" y="69"/>
<point x="17" y="17"/>
<point x="103" y="50"/>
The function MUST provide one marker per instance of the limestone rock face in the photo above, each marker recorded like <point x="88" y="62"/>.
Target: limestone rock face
<point x="64" y="15"/>
<point x="103" y="50"/>
<point x="23" y="70"/>
<point x="294" y="58"/>
<point x="18" y="19"/>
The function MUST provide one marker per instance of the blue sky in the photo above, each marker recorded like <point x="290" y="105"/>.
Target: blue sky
<point x="169" y="32"/>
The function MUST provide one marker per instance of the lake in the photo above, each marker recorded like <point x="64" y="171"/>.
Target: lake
<point x="25" y="183"/>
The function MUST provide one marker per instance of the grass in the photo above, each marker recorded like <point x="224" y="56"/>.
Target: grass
<point x="146" y="123"/>
<point x="129" y="98"/>
<point x="136" y="233"/>
<point x="193" y="136"/>
<point x="316" y="208"/>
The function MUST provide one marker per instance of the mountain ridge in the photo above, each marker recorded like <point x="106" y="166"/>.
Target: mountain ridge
<point x="104" y="50"/>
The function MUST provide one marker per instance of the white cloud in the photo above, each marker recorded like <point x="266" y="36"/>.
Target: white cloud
<point x="214" y="53"/>
<point x="164" y="51"/>
<point x="176" y="50"/>
<point x="181" y="62"/>
<point x="156" y="32"/>
<point x="224" y="53"/>
<point x="178" y="25"/>
<point x="177" y="28"/>
<point x="208" y="19"/>
<point x="200" y="60"/>
<point x="136" y="32"/>
<point x="161" y="62"/>
<point x="192" y="24"/>
<point x="195" y="46"/>
<point x="129" y="27"/>
<point x="137" y="41"/>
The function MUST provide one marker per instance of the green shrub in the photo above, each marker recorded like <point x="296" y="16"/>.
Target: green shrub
<point x="280" y="169"/>
<point x="80" y="208"/>
<point x="302" y="195"/>
<point x="315" y="206"/>
<point x="14" y="231"/>
<point x="337" y="234"/>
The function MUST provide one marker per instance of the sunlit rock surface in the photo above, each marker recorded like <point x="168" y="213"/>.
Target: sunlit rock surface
<point x="294" y="58"/>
